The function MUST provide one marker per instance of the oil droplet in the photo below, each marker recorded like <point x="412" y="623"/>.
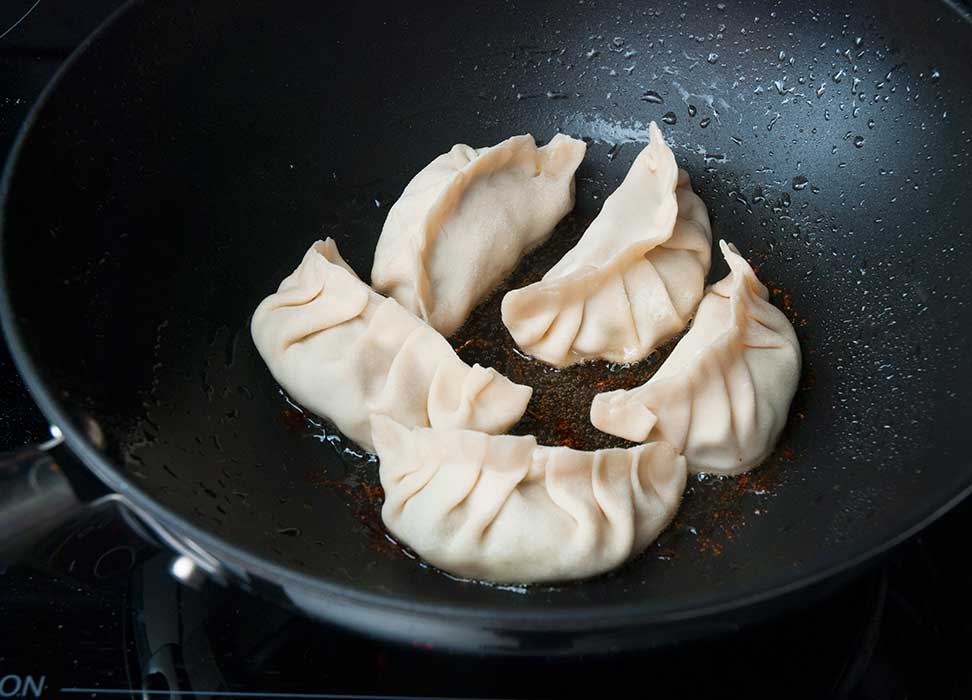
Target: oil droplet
<point x="785" y="200"/>
<point x="670" y="118"/>
<point x="712" y="58"/>
<point x="705" y="122"/>
<point x="800" y="182"/>
<point x="721" y="6"/>
<point x="820" y="90"/>
<point x="935" y="75"/>
<point x="870" y="123"/>
<point x="838" y="75"/>
<point x="692" y="111"/>
<point x="652" y="97"/>
<point x="859" y="141"/>
<point x="614" y="151"/>
<point x="556" y="95"/>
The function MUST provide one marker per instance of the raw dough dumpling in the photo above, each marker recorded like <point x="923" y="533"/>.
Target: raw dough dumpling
<point x="504" y="509"/>
<point x="723" y="395"/>
<point x="632" y="281"/>
<point x="345" y="352"/>
<point x="467" y="218"/>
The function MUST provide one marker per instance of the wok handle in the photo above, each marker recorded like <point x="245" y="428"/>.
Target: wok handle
<point x="40" y="491"/>
<point x="36" y="497"/>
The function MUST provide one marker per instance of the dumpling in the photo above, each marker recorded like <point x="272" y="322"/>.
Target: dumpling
<point x="467" y="218"/>
<point x="504" y="509"/>
<point x="345" y="352"/>
<point x="723" y="395"/>
<point x="632" y="281"/>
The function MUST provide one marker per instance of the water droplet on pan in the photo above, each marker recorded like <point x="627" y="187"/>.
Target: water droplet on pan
<point x="652" y="97"/>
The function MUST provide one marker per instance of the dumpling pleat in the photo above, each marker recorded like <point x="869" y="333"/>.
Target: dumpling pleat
<point x="637" y="273"/>
<point x="505" y="509"/>
<point x="723" y="394"/>
<point x="345" y="352"/>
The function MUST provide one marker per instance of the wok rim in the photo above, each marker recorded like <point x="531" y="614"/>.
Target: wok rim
<point x="355" y="603"/>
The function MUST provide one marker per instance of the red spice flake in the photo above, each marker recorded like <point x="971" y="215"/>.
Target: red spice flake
<point x="565" y="434"/>
<point x="475" y="342"/>
<point x="365" y="501"/>
<point x="533" y="414"/>
<point x="375" y="494"/>
<point x="709" y="546"/>
<point x="785" y="300"/>
<point x="293" y="420"/>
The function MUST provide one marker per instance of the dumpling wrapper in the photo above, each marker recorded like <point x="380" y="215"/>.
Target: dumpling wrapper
<point x="632" y="281"/>
<point x="345" y="352"/>
<point x="466" y="219"/>
<point x="723" y="395"/>
<point x="504" y="509"/>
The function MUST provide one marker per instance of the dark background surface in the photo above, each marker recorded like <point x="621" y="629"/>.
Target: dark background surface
<point x="901" y="632"/>
<point x="29" y="54"/>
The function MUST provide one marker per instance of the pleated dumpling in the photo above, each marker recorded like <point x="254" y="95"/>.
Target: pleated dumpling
<point x="467" y="218"/>
<point x="504" y="509"/>
<point x="345" y="352"/>
<point x="723" y="395"/>
<point x="632" y="281"/>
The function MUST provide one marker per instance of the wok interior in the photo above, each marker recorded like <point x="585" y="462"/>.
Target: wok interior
<point x="185" y="163"/>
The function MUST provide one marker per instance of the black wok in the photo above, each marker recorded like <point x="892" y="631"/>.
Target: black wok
<point x="188" y="154"/>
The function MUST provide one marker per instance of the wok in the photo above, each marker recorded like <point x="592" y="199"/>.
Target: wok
<point x="185" y="157"/>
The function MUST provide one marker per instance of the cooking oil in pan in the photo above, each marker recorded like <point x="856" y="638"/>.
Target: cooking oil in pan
<point x="559" y="412"/>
